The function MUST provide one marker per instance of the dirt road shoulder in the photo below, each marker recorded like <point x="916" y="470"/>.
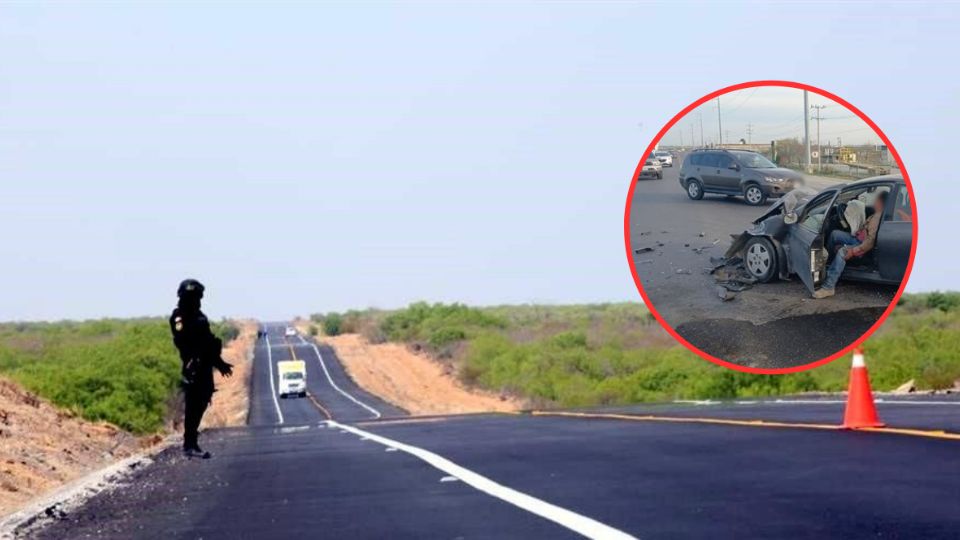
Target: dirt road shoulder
<point x="415" y="382"/>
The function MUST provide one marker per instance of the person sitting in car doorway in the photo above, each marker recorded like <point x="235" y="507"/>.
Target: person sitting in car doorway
<point x="849" y="245"/>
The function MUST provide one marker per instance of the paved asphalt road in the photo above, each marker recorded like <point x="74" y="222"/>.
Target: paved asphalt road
<point x="517" y="476"/>
<point x="771" y="325"/>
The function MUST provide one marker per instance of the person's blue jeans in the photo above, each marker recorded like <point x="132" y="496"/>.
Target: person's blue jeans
<point x="840" y="238"/>
<point x="843" y="239"/>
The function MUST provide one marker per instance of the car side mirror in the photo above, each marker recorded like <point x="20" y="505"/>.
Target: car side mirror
<point x="734" y="167"/>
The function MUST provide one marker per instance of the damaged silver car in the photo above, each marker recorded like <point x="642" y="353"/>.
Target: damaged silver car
<point x="790" y="238"/>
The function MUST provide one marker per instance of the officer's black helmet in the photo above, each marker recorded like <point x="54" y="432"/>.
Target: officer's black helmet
<point x="190" y="287"/>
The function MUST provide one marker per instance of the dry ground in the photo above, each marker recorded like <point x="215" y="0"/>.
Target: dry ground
<point x="231" y="402"/>
<point x="43" y="447"/>
<point x="413" y="381"/>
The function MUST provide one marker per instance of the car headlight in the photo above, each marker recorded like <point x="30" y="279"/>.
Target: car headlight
<point x="774" y="180"/>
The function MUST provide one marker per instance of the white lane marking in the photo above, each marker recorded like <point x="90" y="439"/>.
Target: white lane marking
<point x="376" y="413"/>
<point x="575" y="522"/>
<point x="448" y="479"/>
<point x="841" y="401"/>
<point x="293" y="429"/>
<point x="915" y="402"/>
<point x="273" y="388"/>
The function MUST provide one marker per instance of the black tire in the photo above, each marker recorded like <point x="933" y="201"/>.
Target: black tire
<point x="760" y="259"/>
<point x="694" y="189"/>
<point x="283" y="396"/>
<point x="753" y="195"/>
<point x="660" y="175"/>
<point x="303" y="394"/>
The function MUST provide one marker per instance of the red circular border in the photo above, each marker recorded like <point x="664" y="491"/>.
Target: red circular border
<point x="633" y="269"/>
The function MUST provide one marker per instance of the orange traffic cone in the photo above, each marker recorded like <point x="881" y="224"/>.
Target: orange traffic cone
<point x="861" y="411"/>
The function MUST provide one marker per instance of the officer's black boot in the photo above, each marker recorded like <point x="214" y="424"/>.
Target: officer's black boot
<point x="195" y="451"/>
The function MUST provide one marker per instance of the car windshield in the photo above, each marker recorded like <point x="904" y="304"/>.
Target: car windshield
<point x="293" y="376"/>
<point x="662" y="153"/>
<point x="751" y="160"/>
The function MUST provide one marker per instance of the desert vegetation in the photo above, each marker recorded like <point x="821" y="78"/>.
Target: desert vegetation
<point x="607" y="354"/>
<point x="121" y="371"/>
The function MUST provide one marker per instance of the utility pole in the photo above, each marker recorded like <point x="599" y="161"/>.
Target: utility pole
<point x="749" y="132"/>
<point x="806" y="130"/>
<point x="719" y="123"/>
<point x="681" y="138"/>
<point x="701" y="129"/>
<point x="693" y="140"/>
<point x="819" y="148"/>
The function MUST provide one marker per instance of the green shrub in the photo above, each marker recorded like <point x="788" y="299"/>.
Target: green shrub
<point x="607" y="354"/>
<point x="445" y="336"/>
<point x="422" y="322"/>
<point x="123" y="372"/>
<point x="332" y="324"/>
<point x="226" y="330"/>
<point x="943" y="301"/>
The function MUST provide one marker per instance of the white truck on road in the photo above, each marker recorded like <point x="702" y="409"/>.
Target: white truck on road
<point x="293" y="378"/>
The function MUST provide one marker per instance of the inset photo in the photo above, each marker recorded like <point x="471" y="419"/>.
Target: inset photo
<point x="771" y="226"/>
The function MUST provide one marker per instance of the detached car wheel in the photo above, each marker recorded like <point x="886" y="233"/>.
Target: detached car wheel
<point x="760" y="259"/>
<point x="694" y="190"/>
<point x="754" y="195"/>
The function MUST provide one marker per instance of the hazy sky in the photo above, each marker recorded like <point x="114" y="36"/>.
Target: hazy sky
<point x="307" y="157"/>
<point x="771" y="113"/>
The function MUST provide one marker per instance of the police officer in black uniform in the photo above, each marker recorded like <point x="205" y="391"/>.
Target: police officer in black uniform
<point x="200" y="355"/>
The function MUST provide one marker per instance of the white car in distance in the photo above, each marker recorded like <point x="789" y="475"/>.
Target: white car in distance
<point x="666" y="158"/>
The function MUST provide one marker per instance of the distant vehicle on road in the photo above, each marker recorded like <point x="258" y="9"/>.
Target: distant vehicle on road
<point x="290" y="331"/>
<point x="778" y="247"/>
<point x="735" y="172"/>
<point x="292" y="376"/>
<point x="666" y="158"/>
<point x="652" y="168"/>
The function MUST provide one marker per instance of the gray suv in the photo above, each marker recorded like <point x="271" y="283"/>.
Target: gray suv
<point x="735" y="172"/>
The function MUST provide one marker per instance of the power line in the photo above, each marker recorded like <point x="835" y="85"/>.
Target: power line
<point x="819" y="147"/>
<point x="744" y="102"/>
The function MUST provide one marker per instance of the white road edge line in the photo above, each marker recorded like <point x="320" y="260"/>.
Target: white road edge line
<point x="376" y="413"/>
<point x="575" y="522"/>
<point x="273" y="388"/>
<point x="877" y="399"/>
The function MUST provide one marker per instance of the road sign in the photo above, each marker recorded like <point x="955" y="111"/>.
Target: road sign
<point x="814" y="154"/>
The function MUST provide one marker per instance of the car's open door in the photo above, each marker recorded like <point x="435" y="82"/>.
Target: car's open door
<point x="894" y="239"/>
<point x="805" y="241"/>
